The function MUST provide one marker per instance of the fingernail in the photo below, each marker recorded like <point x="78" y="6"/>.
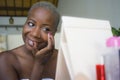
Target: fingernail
<point x="49" y="34"/>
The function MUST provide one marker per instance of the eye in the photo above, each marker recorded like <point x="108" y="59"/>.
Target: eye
<point x="30" y="24"/>
<point x="45" y="29"/>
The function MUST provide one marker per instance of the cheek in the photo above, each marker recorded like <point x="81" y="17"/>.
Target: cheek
<point x="25" y="31"/>
<point x="44" y="37"/>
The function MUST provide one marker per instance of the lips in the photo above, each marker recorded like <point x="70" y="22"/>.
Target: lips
<point x="30" y="42"/>
<point x="33" y="44"/>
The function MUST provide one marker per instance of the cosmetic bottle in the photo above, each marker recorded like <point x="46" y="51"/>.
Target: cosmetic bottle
<point x="100" y="69"/>
<point x="111" y="59"/>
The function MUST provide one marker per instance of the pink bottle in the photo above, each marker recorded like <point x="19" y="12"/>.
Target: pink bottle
<point x="112" y="67"/>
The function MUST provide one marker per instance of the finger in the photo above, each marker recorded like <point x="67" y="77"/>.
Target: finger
<point x="50" y="41"/>
<point x="49" y="47"/>
<point x="52" y="38"/>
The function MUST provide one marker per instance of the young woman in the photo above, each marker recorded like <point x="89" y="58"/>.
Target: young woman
<point x="37" y="58"/>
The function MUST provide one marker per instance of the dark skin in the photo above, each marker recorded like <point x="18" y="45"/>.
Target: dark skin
<point x="37" y="58"/>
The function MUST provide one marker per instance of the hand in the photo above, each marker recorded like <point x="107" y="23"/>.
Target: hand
<point x="44" y="54"/>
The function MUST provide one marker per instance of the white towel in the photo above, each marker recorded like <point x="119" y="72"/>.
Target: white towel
<point x="24" y="79"/>
<point x="42" y="79"/>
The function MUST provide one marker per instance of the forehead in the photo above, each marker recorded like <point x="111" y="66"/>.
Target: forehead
<point x="41" y="12"/>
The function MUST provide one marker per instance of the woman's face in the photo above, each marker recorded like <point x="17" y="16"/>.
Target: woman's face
<point x="39" y="23"/>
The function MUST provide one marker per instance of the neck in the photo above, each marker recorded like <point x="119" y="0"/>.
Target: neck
<point x="27" y="51"/>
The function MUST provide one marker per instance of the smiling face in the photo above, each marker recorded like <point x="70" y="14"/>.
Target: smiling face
<point x="39" y="23"/>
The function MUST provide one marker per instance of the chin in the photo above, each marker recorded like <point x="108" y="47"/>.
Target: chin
<point x="29" y="47"/>
<point x="42" y="45"/>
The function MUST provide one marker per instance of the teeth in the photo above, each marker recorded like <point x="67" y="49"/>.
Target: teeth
<point x="31" y="43"/>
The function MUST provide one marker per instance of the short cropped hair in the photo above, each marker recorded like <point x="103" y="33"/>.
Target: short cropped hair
<point x="49" y="6"/>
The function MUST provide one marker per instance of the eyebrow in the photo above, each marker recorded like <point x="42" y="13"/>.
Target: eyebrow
<point x="31" y="20"/>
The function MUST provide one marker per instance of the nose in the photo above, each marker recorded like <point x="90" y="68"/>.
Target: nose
<point x="36" y="33"/>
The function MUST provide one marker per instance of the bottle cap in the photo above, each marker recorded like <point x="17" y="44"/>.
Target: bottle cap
<point x="113" y="41"/>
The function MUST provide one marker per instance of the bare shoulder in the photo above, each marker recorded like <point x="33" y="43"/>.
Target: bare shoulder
<point x="7" y="66"/>
<point x="8" y="60"/>
<point x="7" y="57"/>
